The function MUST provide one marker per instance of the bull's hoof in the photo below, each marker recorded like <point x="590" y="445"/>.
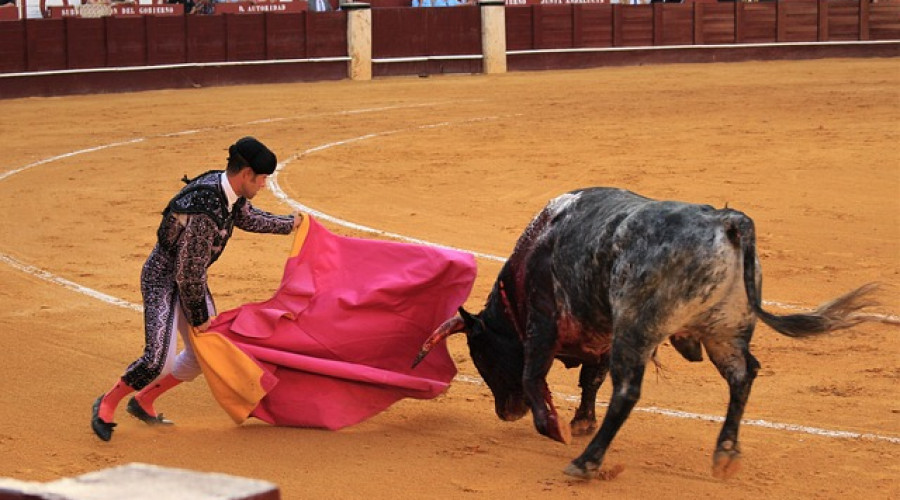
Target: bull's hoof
<point x="562" y="432"/>
<point x="588" y="471"/>
<point x="726" y="461"/>
<point x="583" y="427"/>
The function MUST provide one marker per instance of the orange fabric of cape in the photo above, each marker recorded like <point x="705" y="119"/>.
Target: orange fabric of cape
<point x="335" y="344"/>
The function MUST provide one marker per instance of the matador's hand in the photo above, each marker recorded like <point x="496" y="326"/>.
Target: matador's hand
<point x="298" y="219"/>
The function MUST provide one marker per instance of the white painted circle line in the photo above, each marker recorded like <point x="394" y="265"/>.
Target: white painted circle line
<point x="803" y="429"/>
<point x="49" y="277"/>
<point x="71" y="285"/>
<point x="10" y="173"/>
<point x="279" y="193"/>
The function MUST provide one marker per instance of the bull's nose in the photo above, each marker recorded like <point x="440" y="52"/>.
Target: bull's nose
<point x="512" y="411"/>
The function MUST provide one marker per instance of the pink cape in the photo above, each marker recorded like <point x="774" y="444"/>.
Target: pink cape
<point x="336" y="343"/>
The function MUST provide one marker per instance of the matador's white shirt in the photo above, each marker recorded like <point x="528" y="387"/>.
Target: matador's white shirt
<point x="229" y="191"/>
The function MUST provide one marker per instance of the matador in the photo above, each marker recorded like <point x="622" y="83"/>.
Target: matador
<point x="196" y="225"/>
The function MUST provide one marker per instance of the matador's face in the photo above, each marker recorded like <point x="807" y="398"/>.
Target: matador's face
<point x="251" y="183"/>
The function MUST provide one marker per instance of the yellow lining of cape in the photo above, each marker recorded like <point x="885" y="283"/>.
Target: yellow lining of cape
<point x="300" y="236"/>
<point x="234" y="378"/>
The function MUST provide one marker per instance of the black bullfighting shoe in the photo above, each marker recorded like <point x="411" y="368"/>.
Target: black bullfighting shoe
<point x="102" y="429"/>
<point x="134" y="408"/>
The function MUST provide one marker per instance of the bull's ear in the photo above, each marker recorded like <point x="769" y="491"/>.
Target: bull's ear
<point x="468" y="319"/>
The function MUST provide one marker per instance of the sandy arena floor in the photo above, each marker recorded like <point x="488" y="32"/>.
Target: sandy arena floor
<point x="808" y="149"/>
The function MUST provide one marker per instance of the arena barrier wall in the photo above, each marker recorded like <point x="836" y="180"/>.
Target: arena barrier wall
<point x="41" y="57"/>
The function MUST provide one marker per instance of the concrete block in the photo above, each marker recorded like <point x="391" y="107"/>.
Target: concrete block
<point x="142" y="482"/>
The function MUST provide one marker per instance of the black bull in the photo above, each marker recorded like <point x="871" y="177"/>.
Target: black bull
<point x="600" y="278"/>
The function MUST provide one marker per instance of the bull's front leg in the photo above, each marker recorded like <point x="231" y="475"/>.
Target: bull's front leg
<point x="630" y="351"/>
<point x="539" y="354"/>
<point x="590" y="379"/>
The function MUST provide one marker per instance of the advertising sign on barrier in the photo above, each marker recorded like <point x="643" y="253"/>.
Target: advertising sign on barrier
<point x="117" y="10"/>
<point x="259" y="7"/>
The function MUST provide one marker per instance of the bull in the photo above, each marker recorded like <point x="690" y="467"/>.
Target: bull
<point x="600" y="278"/>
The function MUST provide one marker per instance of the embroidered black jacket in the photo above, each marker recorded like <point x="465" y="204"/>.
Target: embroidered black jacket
<point x="195" y="228"/>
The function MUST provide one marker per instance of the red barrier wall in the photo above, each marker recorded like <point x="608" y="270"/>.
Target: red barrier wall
<point x="423" y="38"/>
<point x="534" y="27"/>
<point x="77" y="43"/>
<point x="431" y="40"/>
<point x="166" y="40"/>
<point x="46" y="44"/>
<point x="12" y="47"/>
<point x="285" y="36"/>
<point x="85" y="42"/>
<point x="326" y="34"/>
<point x="883" y="21"/>
<point x="843" y="19"/>
<point x="714" y="23"/>
<point x="673" y="24"/>
<point x="399" y="32"/>
<point x="593" y="25"/>
<point x="126" y="41"/>
<point x="245" y="37"/>
<point x="798" y="21"/>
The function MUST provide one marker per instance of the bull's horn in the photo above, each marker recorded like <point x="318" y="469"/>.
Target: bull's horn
<point x="447" y="328"/>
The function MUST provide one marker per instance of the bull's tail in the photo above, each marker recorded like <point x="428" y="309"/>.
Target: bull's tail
<point x="833" y="315"/>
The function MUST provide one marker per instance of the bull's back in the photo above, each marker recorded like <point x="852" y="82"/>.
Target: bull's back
<point x="619" y="254"/>
<point x="677" y="261"/>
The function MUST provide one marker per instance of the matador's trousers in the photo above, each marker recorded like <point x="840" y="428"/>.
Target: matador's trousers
<point x="164" y="319"/>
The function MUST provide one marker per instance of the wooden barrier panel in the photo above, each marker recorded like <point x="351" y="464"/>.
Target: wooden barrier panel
<point x="593" y="25"/>
<point x="246" y="36"/>
<point x="714" y="23"/>
<point x="673" y="23"/>
<point x="757" y="22"/>
<point x="798" y="21"/>
<point x="126" y="41"/>
<point x="399" y="32"/>
<point x="86" y="42"/>
<point x="424" y="35"/>
<point x="46" y="44"/>
<point x="519" y="28"/>
<point x="326" y="34"/>
<point x="843" y="20"/>
<point x="553" y="26"/>
<point x="206" y="40"/>
<point x="454" y="31"/>
<point x="286" y="36"/>
<point x="166" y="40"/>
<point x="12" y="47"/>
<point x="884" y="21"/>
<point x="632" y="25"/>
